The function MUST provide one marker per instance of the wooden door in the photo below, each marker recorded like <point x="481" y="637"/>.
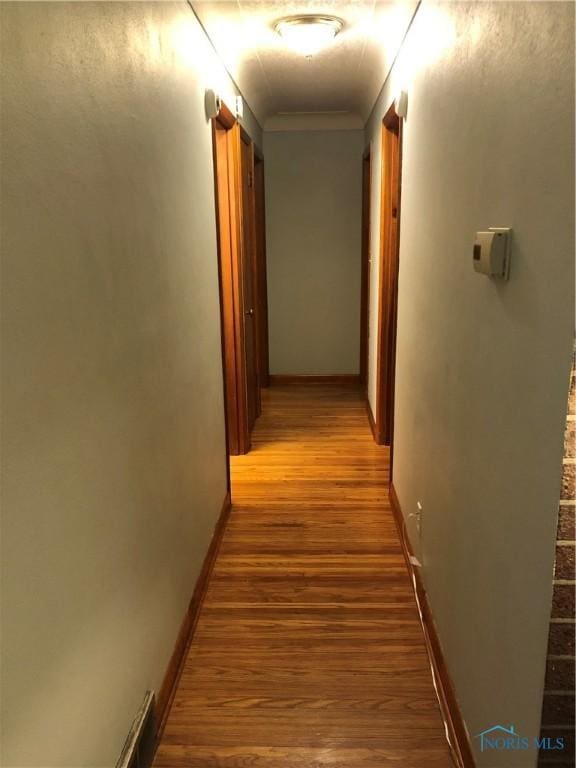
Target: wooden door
<point x="229" y="218"/>
<point x="260" y="273"/>
<point x="389" y="267"/>
<point x="248" y="278"/>
<point x="365" y="270"/>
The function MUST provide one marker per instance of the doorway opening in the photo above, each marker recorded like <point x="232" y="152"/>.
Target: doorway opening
<point x="391" y="181"/>
<point x="239" y="192"/>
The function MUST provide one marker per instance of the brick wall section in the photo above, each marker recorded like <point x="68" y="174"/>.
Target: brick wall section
<point x="558" y="703"/>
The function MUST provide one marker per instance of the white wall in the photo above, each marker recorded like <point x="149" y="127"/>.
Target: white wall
<point x="313" y="228"/>
<point x="482" y="367"/>
<point x="113" y="434"/>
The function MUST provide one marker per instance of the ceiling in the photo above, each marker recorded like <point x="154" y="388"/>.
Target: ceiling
<point x="342" y="81"/>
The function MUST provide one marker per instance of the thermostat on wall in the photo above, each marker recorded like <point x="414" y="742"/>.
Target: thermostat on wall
<point x="491" y="253"/>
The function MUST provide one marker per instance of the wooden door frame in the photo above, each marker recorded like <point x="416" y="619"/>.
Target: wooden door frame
<point x="391" y="186"/>
<point x="261" y="273"/>
<point x="227" y="180"/>
<point x="251" y="254"/>
<point x="365" y="266"/>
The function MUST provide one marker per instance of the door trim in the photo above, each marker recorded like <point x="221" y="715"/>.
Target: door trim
<point x="249" y="252"/>
<point x="226" y="157"/>
<point x="390" y="206"/>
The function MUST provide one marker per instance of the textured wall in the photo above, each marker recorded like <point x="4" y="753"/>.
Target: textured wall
<point x="482" y="366"/>
<point x="113" y="434"/>
<point x="313" y="222"/>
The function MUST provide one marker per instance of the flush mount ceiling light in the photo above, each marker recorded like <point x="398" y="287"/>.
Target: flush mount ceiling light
<point x="308" y="34"/>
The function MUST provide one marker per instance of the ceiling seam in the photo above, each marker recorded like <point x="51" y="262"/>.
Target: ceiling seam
<point x="393" y="63"/>
<point x="203" y="28"/>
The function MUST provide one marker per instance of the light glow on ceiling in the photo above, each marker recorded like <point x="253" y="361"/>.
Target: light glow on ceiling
<point x="432" y="35"/>
<point x="309" y="34"/>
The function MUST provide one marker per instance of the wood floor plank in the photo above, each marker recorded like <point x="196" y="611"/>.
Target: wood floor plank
<point x="308" y="651"/>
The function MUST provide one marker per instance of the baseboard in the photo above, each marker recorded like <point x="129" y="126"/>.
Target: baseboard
<point x="186" y="633"/>
<point x="456" y="730"/>
<point x="335" y="378"/>
<point x="378" y="439"/>
<point x="371" y="421"/>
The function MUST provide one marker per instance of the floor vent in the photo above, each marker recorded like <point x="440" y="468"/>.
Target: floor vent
<point x="138" y="750"/>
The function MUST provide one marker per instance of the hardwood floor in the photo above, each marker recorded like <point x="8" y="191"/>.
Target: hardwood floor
<point x="308" y="651"/>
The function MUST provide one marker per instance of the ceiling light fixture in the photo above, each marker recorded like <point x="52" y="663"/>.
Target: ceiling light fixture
<point x="308" y="34"/>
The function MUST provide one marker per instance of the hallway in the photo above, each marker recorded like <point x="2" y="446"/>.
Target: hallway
<point x="202" y="197"/>
<point x="308" y="651"/>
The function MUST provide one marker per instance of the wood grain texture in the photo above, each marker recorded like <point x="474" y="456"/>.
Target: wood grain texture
<point x="458" y="736"/>
<point x="176" y="664"/>
<point x="309" y="650"/>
